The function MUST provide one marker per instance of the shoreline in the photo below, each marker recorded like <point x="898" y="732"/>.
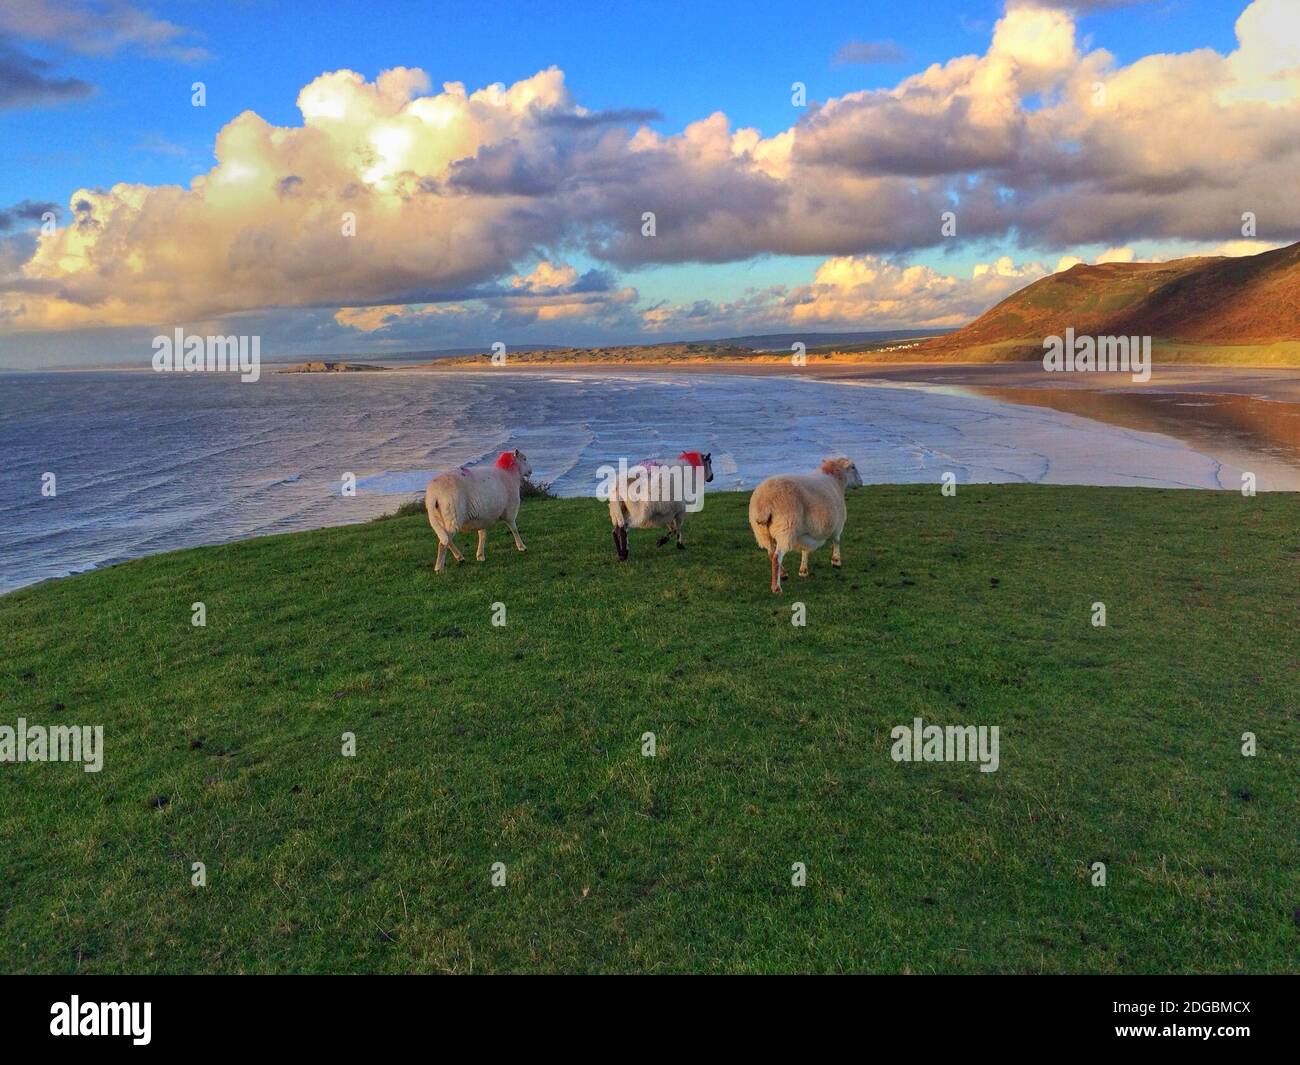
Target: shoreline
<point x="1245" y="418"/>
<point x="1281" y="384"/>
<point x="1241" y="421"/>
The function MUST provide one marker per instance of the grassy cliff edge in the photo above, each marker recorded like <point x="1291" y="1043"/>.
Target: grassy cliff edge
<point x="522" y="744"/>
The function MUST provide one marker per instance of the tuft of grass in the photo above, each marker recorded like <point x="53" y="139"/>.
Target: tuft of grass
<point x="522" y="744"/>
<point x="530" y="489"/>
<point x="408" y="509"/>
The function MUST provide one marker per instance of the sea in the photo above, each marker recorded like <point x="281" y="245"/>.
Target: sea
<point x="101" y="466"/>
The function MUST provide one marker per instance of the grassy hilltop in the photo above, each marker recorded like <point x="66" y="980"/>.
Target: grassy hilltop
<point x="1241" y="311"/>
<point x="522" y="744"/>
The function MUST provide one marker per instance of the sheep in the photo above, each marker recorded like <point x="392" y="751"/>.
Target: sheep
<point x="655" y="493"/>
<point x="475" y="498"/>
<point x="803" y="511"/>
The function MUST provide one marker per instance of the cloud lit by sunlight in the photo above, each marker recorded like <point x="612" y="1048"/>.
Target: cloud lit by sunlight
<point x="455" y="194"/>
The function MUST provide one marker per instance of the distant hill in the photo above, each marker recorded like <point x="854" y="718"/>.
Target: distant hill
<point x="856" y="341"/>
<point x="770" y="347"/>
<point x="424" y="355"/>
<point x="701" y="351"/>
<point x="1246" y="303"/>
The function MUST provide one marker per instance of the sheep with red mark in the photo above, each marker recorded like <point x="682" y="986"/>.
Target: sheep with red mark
<point x="477" y="498"/>
<point x="658" y="493"/>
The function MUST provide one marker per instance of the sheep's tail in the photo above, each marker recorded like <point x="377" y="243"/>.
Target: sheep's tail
<point x="762" y="527"/>
<point x="443" y="521"/>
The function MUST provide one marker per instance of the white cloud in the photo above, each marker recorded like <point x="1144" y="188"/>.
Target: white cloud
<point x="857" y="292"/>
<point x="453" y="190"/>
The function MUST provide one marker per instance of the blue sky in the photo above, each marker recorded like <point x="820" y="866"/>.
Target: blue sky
<point x="682" y="61"/>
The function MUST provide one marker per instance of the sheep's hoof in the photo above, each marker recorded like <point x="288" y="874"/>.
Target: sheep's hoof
<point x="835" y="562"/>
<point x="803" y="573"/>
<point x="681" y="546"/>
<point x="661" y="541"/>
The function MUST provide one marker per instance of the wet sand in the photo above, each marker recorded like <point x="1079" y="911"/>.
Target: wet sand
<point x="1246" y="418"/>
<point x="1279" y="385"/>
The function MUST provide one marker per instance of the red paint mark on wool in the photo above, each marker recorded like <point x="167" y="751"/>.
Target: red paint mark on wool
<point x="693" y="457"/>
<point x="506" y="460"/>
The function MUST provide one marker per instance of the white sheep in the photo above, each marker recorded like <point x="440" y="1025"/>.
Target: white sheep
<point x="802" y="511"/>
<point x="475" y="498"/>
<point x="657" y="493"/>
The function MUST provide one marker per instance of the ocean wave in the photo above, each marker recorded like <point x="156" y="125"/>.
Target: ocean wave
<point x="161" y="467"/>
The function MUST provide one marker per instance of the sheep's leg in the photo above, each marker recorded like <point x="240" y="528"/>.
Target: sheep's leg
<point x="481" y="554"/>
<point x="455" y="551"/>
<point x="519" y="544"/>
<point x="803" y="564"/>
<point x="442" y="556"/>
<point x="835" y="553"/>
<point x="778" y="570"/>
<point x="668" y="531"/>
<point x="680" y="522"/>
<point x="618" y="516"/>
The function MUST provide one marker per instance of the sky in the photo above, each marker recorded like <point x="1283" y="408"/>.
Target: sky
<point x="363" y="178"/>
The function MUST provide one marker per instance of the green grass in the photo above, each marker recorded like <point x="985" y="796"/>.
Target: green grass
<point x="522" y="744"/>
